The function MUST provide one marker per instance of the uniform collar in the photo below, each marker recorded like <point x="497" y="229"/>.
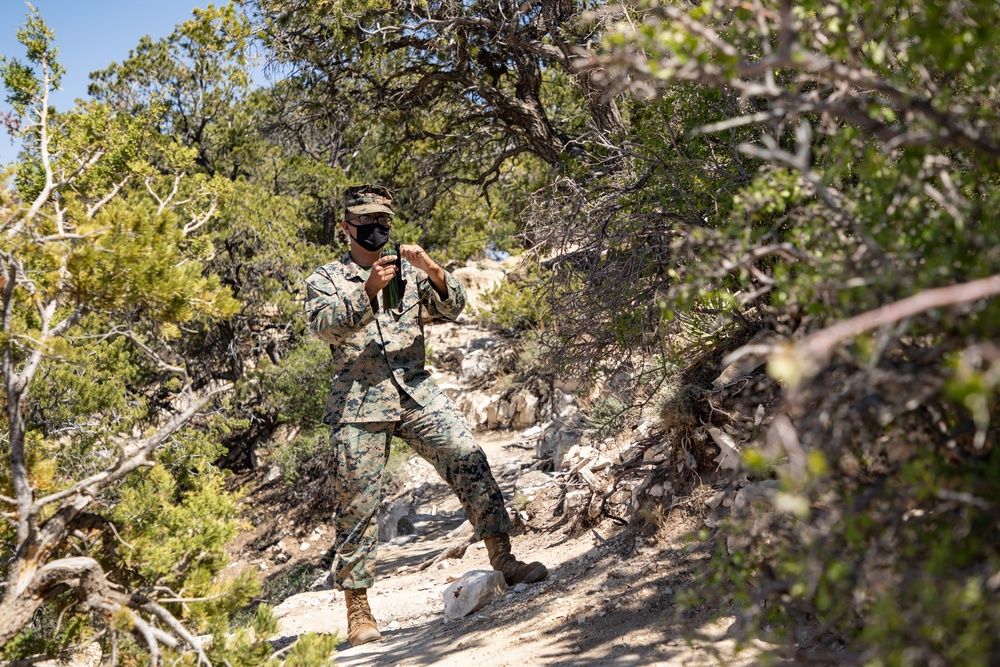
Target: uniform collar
<point x="353" y="269"/>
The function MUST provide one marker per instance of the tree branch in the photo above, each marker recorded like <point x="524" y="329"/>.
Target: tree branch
<point x="133" y="457"/>
<point x="805" y="358"/>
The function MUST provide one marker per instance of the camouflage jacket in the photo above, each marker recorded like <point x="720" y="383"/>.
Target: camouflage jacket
<point x="375" y="355"/>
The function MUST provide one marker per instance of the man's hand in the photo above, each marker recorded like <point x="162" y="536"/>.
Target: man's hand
<point x="416" y="256"/>
<point x="382" y="273"/>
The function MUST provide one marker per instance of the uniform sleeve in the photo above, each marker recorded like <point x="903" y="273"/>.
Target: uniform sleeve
<point x="335" y="311"/>
<point x="449" y="308"/>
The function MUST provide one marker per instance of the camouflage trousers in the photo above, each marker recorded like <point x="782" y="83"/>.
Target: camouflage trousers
<point x="440" y="434"/>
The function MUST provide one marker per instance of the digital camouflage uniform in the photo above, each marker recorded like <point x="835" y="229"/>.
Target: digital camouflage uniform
<point x="381" y="389"/>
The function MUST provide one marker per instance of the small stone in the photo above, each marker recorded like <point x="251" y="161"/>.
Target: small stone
<point x="717" y="499"/>
<point x="304" y="546"/>
<point x="472" y="592"/>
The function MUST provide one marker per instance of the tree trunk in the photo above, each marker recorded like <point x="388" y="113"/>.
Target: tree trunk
<point x="18" y="608"/>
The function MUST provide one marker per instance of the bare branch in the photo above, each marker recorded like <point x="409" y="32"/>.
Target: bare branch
<point x="808" y="355"/>
<point x="98" y="205"/>
<point x="163" y="203"/>
<point x="43" y="122"/>
<point x="160" y="363"/>
<point x="175" y="625"/>
<point x="199" y="220"/>
<point x="28" y="373"/>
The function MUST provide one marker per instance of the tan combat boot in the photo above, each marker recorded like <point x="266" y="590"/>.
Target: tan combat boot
<point x="361" y="627"/>
<point x="514" y="571"/>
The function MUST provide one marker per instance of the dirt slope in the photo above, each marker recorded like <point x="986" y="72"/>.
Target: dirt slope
<point x="596" y="608"/>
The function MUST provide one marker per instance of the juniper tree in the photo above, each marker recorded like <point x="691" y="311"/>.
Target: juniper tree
<point x="112" y="507"/>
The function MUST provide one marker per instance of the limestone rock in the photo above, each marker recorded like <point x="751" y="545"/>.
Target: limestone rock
<point x="473" y="591"/>
<point x="476" y="364"/>
<point x="390" y="518"/>
<point x="477" y="280"/>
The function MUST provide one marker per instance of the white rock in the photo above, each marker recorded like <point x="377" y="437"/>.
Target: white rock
<point x="729" y="452"/>
<point x="533" y="432"/>
<point x="524" y="410"/>
<point x="561" y="400"/>
<point x="567" y="386"/>
<point x="758" y="416"/>
<point x="473" y="591"/>
<point x="717" y="499"/>
<point x="475" y="364"/>
<point x="574" y="500"/>
<point x="389" y="518"/>
<point x="578" y="455"/>
<point x="304" y="546"/>
<point x="600" y="462"/>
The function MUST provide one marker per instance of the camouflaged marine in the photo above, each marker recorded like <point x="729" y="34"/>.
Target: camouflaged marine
<point x="380" y="389"/>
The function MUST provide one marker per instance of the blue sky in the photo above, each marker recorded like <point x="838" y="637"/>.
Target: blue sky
<point x="90" y="35"/>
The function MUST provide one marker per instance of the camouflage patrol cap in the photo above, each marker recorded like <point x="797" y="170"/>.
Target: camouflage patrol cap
<point x="365" y="199"/>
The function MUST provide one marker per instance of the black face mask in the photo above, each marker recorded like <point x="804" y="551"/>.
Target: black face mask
<point x="371" y="237"/>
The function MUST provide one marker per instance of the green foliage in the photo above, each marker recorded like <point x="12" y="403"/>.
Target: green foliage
<point x="298" y="457"/>
<point x="295" y="389"/>
<point x="104" y="260"/>
<point x="394" y="474"/>
<point x="194" y="75"/>
<point x="311" y="650"/>
<point x="517" y="304"/>
<point x="608" y="416"/>
<point x="731" y="192"/>
<point x="786" y="203"/>
<point x="19" y="78"/>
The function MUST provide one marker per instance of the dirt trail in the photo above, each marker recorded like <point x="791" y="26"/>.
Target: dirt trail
<point x="596" y="607"/>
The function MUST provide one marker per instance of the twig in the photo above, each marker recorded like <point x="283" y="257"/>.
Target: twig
<point x="457" y="551"/>
<point x="812" y="352"/>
